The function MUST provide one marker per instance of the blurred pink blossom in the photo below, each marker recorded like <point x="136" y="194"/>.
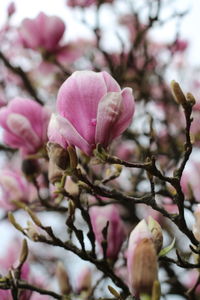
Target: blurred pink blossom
<point x="14" y="187"/>
<point x="116" y="231"/>
<point x="25" y="125"/>
<point x="43" y="32"/>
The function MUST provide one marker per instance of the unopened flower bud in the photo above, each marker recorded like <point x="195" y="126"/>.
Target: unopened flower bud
<point x="24" y="252"/>
<point x="33" y="217"/>
<point x="156" y="232"/>
<point x="63" y="279"/>
<point x="141" y="260"/>
<point x="190" y="99"/>
<point x="12" y="220"/>
<point x="145" y="267"/>
<point x="178" y="93"/>
<point x="32" y="232"/>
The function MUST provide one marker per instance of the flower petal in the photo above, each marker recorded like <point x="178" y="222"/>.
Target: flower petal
<point x="21" y="127"/>
<point x="111" y="83"/>
<point x="108" y="113"/>
<point x="78" y="99"/>
<point x="67" y="134"/>
<point x="126" y="114"/>
<point x="34" y="112"/>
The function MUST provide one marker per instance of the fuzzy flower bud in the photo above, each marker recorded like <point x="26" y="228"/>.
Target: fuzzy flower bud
<point x="142" y="257"/>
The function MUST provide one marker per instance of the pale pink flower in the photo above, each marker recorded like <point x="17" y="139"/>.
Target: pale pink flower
<point x="42" y="32"/>
<point x="92" y="110"/>
<point x="116" y="231"/>
<point x="25" y="125"/>
<point x="14" y="187"/>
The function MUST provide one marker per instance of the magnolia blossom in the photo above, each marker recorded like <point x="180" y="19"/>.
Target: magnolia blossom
<point x="116" y="232"/>
<point x="144" y="243"/>
<point x="92" y="109"/>
<point x="25" y="125"/>
<point x="14" y="187"/>
<point x="43" y="32"/>
<point x="6" y="262"/>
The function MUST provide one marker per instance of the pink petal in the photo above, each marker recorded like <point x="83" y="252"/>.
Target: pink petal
<point x="68" y="134"/>
<point x="54" y="133"/>
<point x="111" y="83"/>
<point x="78" y="100"/>
<point x="34" y="112"/>
<point x="29" y="34"/>
<point x="51" y="29"/>
<point x="126" y="114"/>
<point x="21" y="127"/>
<point x="110" y="124"/>
<point x="108" y="113"/>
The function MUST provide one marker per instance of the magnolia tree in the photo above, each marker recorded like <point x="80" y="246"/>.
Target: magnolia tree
<point x="99" y="171"/>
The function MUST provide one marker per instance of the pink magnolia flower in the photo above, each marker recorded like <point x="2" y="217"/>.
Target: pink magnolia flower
<point x="43" y="32"/>
<point x="25" y="125"/>
<point x="116" y="231"/>
<point x="14" y="187"/>
<point x="92" y="109"/>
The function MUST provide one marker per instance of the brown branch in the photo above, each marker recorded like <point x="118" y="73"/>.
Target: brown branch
<point x="19" y="71"/>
